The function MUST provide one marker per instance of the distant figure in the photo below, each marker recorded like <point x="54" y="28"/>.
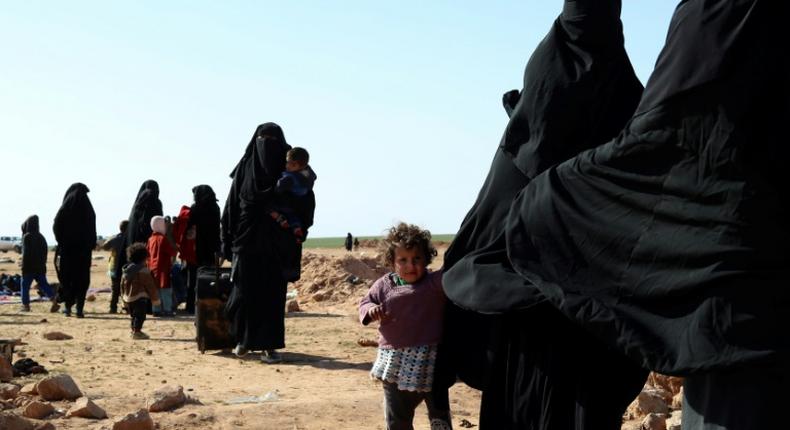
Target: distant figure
<point x="115" y="246"/>
<point x="292" y="202"/>
<point x="203" y="230"/>
<point x="34" y="263"/>
<point x="265" y="257"/>
<point x="356" y="243"/>
<point x="161" y="253"/>
<point x="138" y="287"/>
<point x="349" y="242"/>
<point x="75" y="231"/>
<point x="409" y="304"/>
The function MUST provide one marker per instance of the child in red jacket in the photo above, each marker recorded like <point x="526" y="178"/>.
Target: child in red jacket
<point x="162" y="252"/>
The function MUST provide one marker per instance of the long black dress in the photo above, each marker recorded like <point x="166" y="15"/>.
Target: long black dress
<point x="146" y="205"/>
<point x="204" y="216"/>
<point x="75" y="232"/>
<point x="670" y="242"/>
<point x="261" y="251"/>
<point x="537" y="370"/>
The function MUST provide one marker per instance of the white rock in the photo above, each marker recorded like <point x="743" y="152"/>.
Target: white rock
<point x="167" y="398"/>
<point x="85" y="408"/>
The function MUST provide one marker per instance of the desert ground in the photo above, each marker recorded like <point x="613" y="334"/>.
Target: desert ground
<point x="322" y="384"/>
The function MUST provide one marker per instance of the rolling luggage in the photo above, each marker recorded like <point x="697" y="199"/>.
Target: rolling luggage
<point x="212" y="290"/>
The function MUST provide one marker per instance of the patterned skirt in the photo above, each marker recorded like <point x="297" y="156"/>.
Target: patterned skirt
<point x="410" y="368"/>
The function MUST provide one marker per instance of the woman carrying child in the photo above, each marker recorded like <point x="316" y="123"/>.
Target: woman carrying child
<point x="409" y="305"/>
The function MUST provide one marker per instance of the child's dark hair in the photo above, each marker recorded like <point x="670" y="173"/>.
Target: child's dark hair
<point x="299" y="155"/>
<point x="408" y="236"/>
<point x="124" y="225"/>
<point x="137" y="252"/>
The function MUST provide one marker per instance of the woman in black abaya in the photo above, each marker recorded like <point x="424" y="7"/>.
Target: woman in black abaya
<point x="146" y="206"/>
<point x="538" y="370"/>
<point x="670" y="242"/>
<point x="204" y="217"/>
<point x="75" y="232"/>
<point x="260" y="249"/>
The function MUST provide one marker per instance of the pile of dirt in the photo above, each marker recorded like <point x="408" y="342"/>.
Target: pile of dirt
<point x="338" y="279"/>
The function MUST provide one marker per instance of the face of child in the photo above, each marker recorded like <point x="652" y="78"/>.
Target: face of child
<point x="293" y="166"/>
<point x="409" y="264"/>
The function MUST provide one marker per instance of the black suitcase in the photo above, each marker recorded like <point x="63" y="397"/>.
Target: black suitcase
<point x="213" y="328"/>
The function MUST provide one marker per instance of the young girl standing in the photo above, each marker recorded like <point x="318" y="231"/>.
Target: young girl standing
<point x="408" y="304"/>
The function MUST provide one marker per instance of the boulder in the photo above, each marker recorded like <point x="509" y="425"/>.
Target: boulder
<point x="167" y="398"/>
<point x="292" y="306"/>
<point x="56" y="335"/>
<point x="8" y="391"/>
<point x="58" y="387"/>
<point x="140" y="420"/>
<point x="674" y="421"/>
<point x="6" y="370"/>
<point x="672" y="384"/>
<point x="85" y="408"/>
<point x="654" y="422"/>
<point x="37" y="410"/>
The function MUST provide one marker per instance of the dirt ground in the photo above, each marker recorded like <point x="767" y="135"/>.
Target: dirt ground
<point x="323" y="383"/>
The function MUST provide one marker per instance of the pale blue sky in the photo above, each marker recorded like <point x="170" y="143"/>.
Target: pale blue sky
<point x="399" y="103"/>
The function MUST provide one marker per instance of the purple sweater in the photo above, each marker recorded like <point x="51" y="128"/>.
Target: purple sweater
<point x="415" y="311"/>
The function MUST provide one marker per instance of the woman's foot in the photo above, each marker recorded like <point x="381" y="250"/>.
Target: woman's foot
<point x="55" y="306"/>
<point x="25" y="308"/>
<point x="139" y="335"/>
<point x="271" y="357"/>
<point x="67" y="311"/>
<point x="240" y="351"/>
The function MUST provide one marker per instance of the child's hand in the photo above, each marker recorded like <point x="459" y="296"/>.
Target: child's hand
<point x="377" y="313"/>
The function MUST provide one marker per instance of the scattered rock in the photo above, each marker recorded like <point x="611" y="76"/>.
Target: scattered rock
<point x="673" y="384"/>
<point x="140" y="420"/>
<point x="90" y="298"/>
<point x="6" y="371"/>
<point x="85" y="408"/>
<point x="37" y="410"/>
<point x="56" y="335"/>
<point x="654" y="422"/>
<point x="677" y="400"/>
<point x="58" y="387"/>
<point x="292" y="306"/>
<point x="368" y="342"/>
<point x="466" y="424"/>
<point x="167" y="398"/>
<point x="674" y="421"/>
<point x="650" y="400"/>
<point x="29" y="389"/>
<point x="8" y="391"/>
<point x="10" y="421"/>
<point x="318" y="297"/>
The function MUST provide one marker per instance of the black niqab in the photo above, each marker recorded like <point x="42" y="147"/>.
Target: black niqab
<point x="75" y="221"/>
<point x="204" y="215"/>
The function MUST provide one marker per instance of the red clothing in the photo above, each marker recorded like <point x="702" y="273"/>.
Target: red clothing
<point x="160" y="258"/>
<point x="184" y="238"/>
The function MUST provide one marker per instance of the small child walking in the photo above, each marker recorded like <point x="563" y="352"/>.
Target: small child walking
<point x="138" y="287"/>
<point x="409" y="305"/>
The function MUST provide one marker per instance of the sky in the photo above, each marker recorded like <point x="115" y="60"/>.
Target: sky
<point x="398" y="103"/>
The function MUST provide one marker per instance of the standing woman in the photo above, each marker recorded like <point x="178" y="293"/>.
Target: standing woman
<point x="75" y="232"/>
<point x="260" y="249"/>
<point x="203" y="225"/>
<point x="146" y="206"/>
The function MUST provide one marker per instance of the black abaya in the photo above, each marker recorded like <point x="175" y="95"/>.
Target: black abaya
<point x="260" y="249"/>
<point x="75" y="232"/>
<point x="579" y="89"/>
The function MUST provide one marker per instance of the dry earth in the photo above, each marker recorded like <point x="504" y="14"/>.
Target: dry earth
<point x="323" y="384"/>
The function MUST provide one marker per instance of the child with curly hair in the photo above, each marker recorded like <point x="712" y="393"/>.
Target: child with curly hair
<point x="409" y="304"/>
<point x="138" y="287"/>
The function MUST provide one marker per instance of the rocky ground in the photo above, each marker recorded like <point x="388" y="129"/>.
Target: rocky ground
<point x="99" y="378"/>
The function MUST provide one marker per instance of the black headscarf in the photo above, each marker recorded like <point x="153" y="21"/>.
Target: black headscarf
<point x="30" y="225"/>
<point x="204" y="215"/>
<point x="75" y="222"/>
<point x="579" y="90"/>
<point x="146" y="206"/>
<point x="671" y="241"/>
<point x="252" y="189"/>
